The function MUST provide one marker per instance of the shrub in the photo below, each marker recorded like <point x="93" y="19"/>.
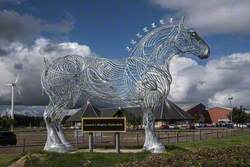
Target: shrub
<point x="231" y="156"/>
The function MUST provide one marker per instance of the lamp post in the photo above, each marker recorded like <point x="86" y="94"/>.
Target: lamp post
<point x="230" y="101"/>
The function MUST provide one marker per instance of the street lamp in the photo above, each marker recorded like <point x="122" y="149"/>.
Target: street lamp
<point x="230" y="101"/>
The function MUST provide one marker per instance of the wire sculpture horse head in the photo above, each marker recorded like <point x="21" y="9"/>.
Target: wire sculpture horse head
<point x="166" y="40"/>
<point x="142" y="79"/>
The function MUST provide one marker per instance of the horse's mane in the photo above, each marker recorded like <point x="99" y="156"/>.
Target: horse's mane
<point x="152" y="38"/>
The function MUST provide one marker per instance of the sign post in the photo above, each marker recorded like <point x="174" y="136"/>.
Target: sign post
<point x="104" y="124"/>
<point x="117" y="142"/>
<point x="90" y="142"/>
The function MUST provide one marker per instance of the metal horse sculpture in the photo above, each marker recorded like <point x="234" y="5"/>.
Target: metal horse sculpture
<point x="142" y="79"/>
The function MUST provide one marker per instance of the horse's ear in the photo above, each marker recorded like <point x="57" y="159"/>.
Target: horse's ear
<point x="46" y="62"/>
<point x="181" y="23"/>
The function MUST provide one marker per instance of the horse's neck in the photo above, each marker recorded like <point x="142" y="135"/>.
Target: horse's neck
<point x="148" y="47"/>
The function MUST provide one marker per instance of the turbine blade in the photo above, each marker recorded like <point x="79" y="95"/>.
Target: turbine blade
<point x="17" y="78"/>
<point x="8" y="84"/>
<point x="19" y="90"/>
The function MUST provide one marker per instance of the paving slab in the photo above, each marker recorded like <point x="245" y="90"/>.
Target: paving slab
<point x="110" y="150"/>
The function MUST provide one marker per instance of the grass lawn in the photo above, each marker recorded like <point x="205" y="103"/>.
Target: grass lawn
<point x="218" y="143"/>
<point x="6" y="159"/>
<point x="173" y="149"/>
<point x="211" y="143"/>
<point x="208" y="148"/>
<point x="82" y="159"/>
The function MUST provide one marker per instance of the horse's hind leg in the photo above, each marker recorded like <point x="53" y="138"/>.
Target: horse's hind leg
<point x="53" y="142"/>
<point x="60" y="133"/>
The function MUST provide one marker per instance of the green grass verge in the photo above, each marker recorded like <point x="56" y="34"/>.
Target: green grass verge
<point x="218" y="143"/>
<point x="41" y="159"/>
<point x="81" y="159"/>
<point x="173" y="149"/>
<point x="6" y="159"/>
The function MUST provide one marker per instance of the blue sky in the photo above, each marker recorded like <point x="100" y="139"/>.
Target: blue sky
<point x="108" y="26"/>
<point x="33" y="29"/>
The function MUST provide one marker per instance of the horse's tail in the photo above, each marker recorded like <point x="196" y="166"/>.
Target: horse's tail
<point x="44" y="74"/>
<point x="46" y="63"/>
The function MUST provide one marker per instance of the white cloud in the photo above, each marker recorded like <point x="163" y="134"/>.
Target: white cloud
<point x="213" y="16"/>
<point x="212" y="83"/>
<point x="27" y="61"/>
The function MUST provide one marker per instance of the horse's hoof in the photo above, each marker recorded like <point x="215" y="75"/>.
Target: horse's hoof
<point x="60" y="148"/>
<point x="158" y="149"/>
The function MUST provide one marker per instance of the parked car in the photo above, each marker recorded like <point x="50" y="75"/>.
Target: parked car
<point x="191" y="126"/>
<point x="200" y="125"/>
<point x="164" y="126"/>
<point x="243" y="126"/>
<point x="7" y="138"/>
<point x="230" y="125"/>
<point x="197" y="125"/>
<point x="173" y="126"/>
<point x="209" y="125"/>
<point x="184" y="126"/>
<point x="180" y="126"/>
<point x="248" y="125"/>
<point x="221" y="124"/>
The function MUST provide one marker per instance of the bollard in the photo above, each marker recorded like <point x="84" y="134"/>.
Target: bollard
<point x="117" y="142"/>
<point x="193" y="137"/>
<point x="168" y="137"/>
<point x="101" y="138"/>
<point x="200" y="135"/>
<point x="23" y="145"/>
<point x="95" y="138"/>
<point x="90" y="142"/>
<point x="82" y="141"/>
<point x="76" y="138"/>
<point x="177" y="137"/>
<point x="137" y="139"/>
<point x="114" y="139"/>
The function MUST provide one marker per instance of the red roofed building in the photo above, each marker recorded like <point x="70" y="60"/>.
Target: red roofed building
<point x="197" y="111"/>
<point x="218" y="114"/>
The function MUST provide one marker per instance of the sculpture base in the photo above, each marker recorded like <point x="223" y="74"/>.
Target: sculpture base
<point x="155" y="149"/>
<point x="58" y="148"/>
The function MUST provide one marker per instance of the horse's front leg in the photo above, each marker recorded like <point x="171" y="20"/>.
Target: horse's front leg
<point x="152" y="143"/>
<point x="61" y="135"/>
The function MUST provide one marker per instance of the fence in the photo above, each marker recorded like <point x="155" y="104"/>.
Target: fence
<point x="31" y="140"/>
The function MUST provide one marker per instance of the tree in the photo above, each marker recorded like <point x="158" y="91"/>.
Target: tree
<point x="119" y="113"/>
<point x="133" y="120"/>
<point x="197" y="118"/>
<point x="5" y="122"/>
<point x="239" y="115"/>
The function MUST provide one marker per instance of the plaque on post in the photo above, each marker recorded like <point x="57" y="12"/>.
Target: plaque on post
<point x="104" y="124"/>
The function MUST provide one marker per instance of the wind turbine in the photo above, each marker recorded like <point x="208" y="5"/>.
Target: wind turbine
<point x="13" y="85"/>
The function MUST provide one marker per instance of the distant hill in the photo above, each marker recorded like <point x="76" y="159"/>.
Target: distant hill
<point x="35" y="111"/>
<point x="31" y="111"/>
